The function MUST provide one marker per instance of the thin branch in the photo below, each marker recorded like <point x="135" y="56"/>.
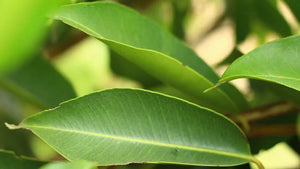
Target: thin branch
<point x="269" y="111"/>
<point x="257" y="131"/>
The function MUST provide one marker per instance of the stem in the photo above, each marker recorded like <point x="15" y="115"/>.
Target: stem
<point x="272" y="130"/>
<point x="269" y="111"/>
<point x="214" y="87"/>
<point x="258" y="163"/>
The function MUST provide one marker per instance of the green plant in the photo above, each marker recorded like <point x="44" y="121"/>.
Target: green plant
<point x="201" y="121"/>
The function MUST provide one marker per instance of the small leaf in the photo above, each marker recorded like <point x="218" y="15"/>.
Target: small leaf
<point x="277" y="61"/>
<point x="240" y="12"/>
<point x="9" y="160"/>
<point x="121" y="126"/>
<point x="70" y="165"/>
<point x="152" y="49"/>
<point x="38" y="82"/>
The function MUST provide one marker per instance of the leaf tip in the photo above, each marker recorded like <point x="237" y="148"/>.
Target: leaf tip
<point x="12" y="126"/>
<point x="207" y="90"/>
<point x="214" y="87"/>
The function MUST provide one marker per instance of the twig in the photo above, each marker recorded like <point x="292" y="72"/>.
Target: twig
<point x="268" y="111"/>
<point x="272" y="130"/>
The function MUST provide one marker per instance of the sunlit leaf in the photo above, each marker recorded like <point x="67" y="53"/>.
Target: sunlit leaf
<point x="154" y="50"/>
<point x="121" y="66"/>
<point x="277" y="62"/>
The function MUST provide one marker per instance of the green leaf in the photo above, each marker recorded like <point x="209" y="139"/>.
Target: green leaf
<point x="121" y="66"/>
<point x="8" y="160"/>
<point x="269" y="15"/>
<point x="120" y="126"/>
<point x="169" y="90"/>
<point x="70" y="165"/>
<point x="153" y="49"/>
<point x="282" y="92"/>
<point x="17" y="141"/>
<point x="240" y="12"/>
<point x="23" y="24"/>
<point x="38" y="82"/>
<point x="277" y="62"/>
<point x="235" y="53"/>
<point x="262" y="94"/>
<point x="180" y="10"/>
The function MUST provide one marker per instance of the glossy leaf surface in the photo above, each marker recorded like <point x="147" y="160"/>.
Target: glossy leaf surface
<point x="151" y="48"/>
<point x="8" y="160"/>
<point x="278" y="61"/>
<point x="120" y="126"/>
<point x="70" y="165"/>
<point x="38" y="82"/>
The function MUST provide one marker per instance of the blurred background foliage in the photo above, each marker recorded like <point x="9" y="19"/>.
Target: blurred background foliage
<point x="47" y="62"/>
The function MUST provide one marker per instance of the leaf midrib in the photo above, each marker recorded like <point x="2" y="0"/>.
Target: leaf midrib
<point x="144" y="141"/>
<point x="262" y="75"/>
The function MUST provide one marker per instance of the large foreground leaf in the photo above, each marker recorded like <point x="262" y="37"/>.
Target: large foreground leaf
<point x="38" y="82"/>
<point x="278" y="62"/>
<point x="120" y="126"/>
<point x="154" y="50"/>
<point x="8" y="160"/>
